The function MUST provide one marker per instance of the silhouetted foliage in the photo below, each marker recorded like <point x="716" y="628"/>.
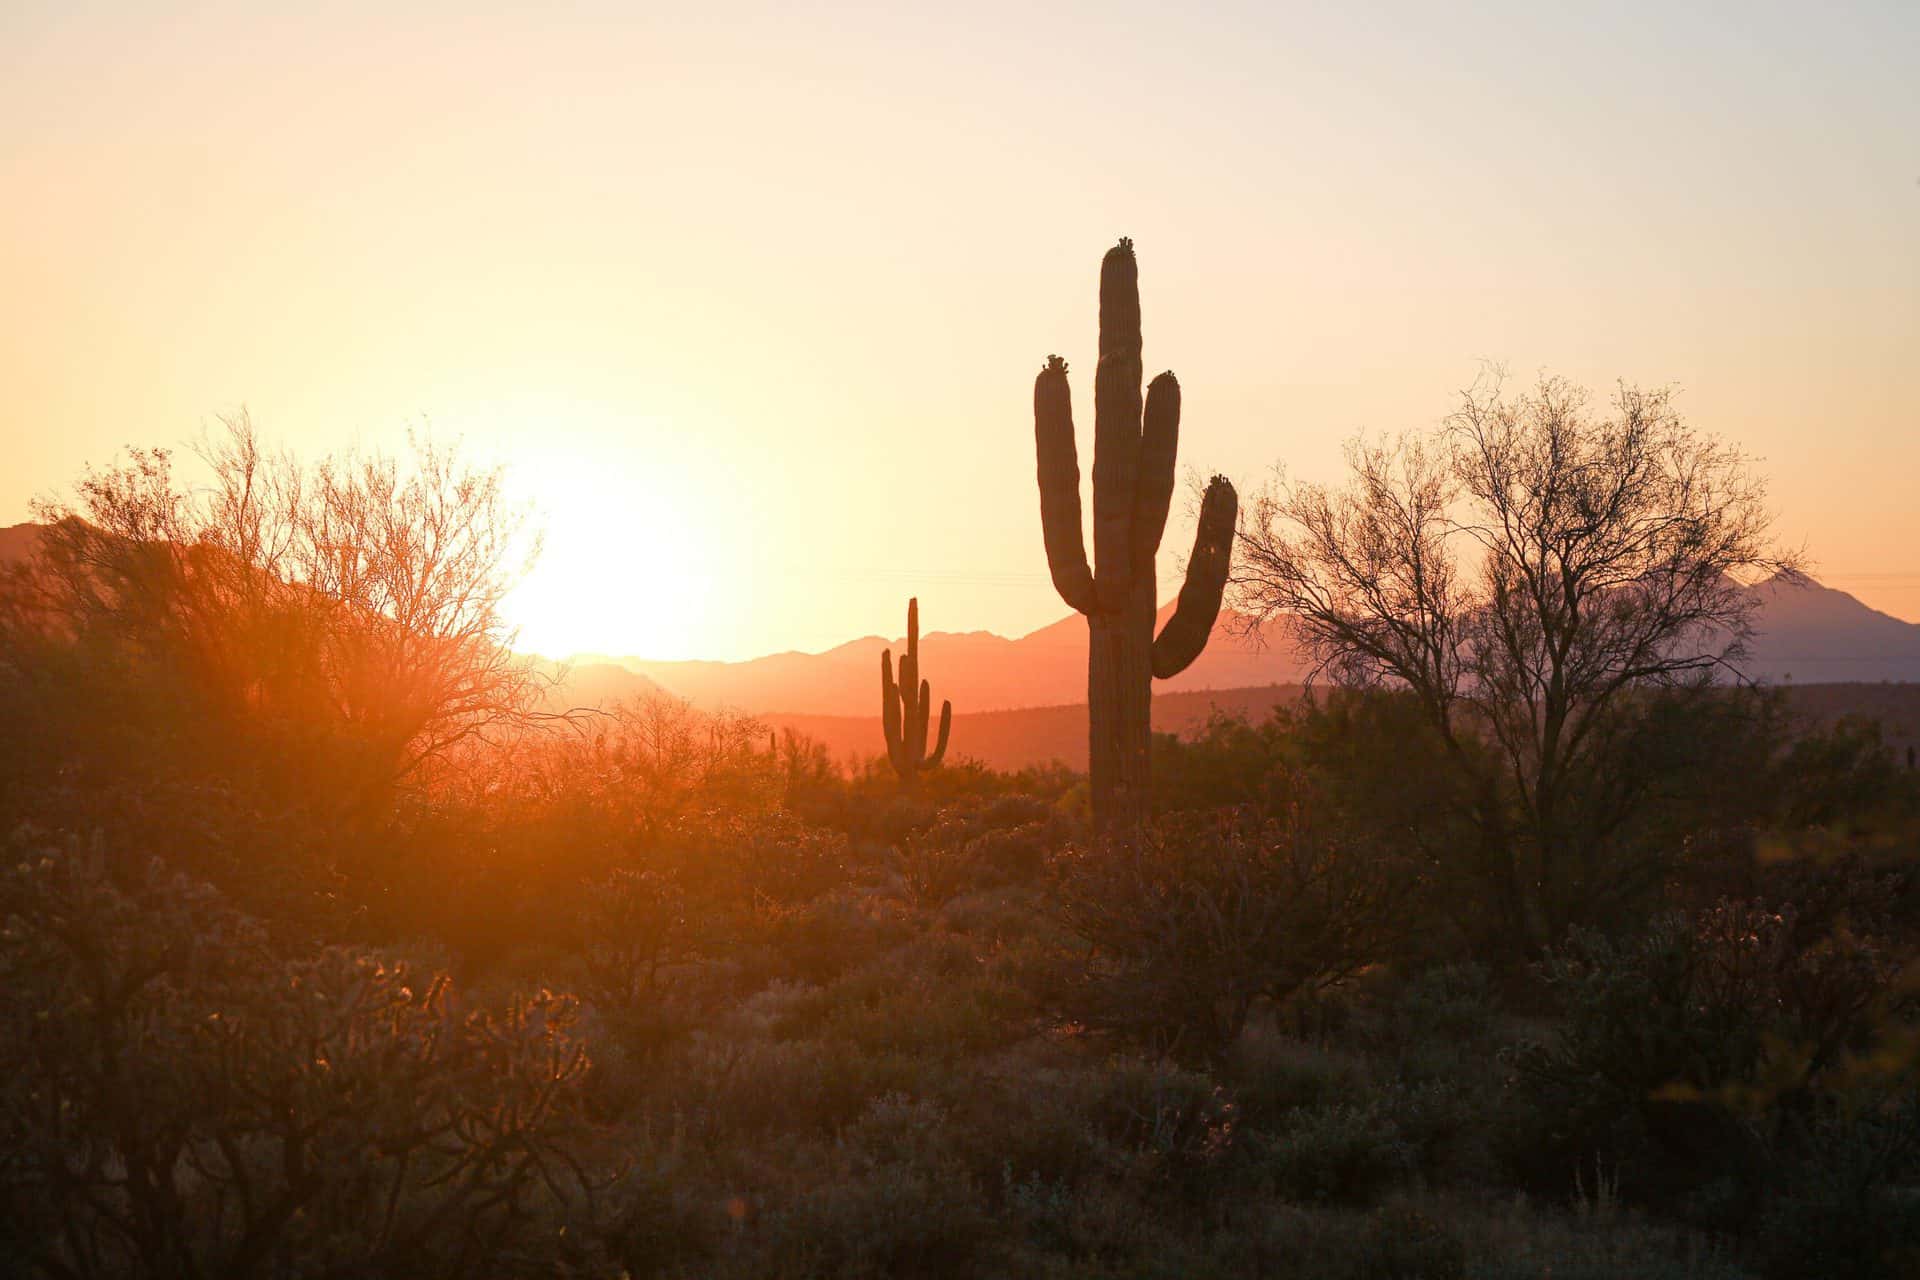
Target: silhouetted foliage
<point x="1679" y="1041"/>
<point x="1525" y="573"/>
<point x="283" y="1000"/>
<point x="1228" y="764"/>
<point x="1193" y="920"/>
<point x="180" y="1098"/>
<point x="343" y="615"/>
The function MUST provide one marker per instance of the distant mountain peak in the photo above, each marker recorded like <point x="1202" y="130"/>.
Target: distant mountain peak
<point x="1807" y="632"/>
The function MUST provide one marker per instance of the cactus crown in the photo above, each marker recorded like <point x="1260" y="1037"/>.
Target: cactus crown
<point x="1055" y="364"/>
<point x="1126" y="242"/>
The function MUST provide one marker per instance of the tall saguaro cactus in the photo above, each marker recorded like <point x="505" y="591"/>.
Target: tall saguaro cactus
<point x="1133" y="455"/>
<point x="904" y="706"/>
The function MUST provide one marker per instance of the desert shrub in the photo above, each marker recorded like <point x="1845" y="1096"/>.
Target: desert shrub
<point x="1437" y="1035"/>
<point x="899" y="1006"/>
<point x="763" y="1068"/>
<point x="1451" y="1002"/>
<point x="636" y="932"/>
<point x="1130" y="1121"/>
<point x="1646" y="1019"/>
<point x="1290" y="1242"/>
<point x="979" y="845"/>
<point x="891" y="1221"/>
<point x="1346" y="1153"/>
<point x="1846" y="1200"/>
<point x="1516" y="1238"/>
<point x="817" y="941"/>
<point x="765" y="856"/>
<point x="1192" y="921"/>
<point x="1004" y="917"/>
<point x="1272" y="1076"/>
<point x="658" y="1222"/>
<point x="884" y="1201"/>
<point x="181" y="1097"/>
<point x="1377" y="768"/>
<point x="1228" y="764"/>
<point x="1842" y="775"/>
<point x="1674" y="1041"/>
<point x="650" y="968"/>
<point x="1027" y="1118"/>
<point x="1170" y="1122"/>
<point x="938" y="864"/>
<point x="1413" y="1245"/>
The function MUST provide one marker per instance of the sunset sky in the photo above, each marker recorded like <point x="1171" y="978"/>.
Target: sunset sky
<point x="750" y="298"/>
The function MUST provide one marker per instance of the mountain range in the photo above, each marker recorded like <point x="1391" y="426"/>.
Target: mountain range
<point x="1805" y="634"/>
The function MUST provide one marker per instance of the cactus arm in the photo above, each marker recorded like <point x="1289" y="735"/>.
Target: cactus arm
<point x="909" y="688"/>
<point x="1060" y="486"/>
<point x="1116" y="426"/>
<point x="918" y="746"/>
<point x="1159" y="444"/>
<point x="946" y="724"/>
<point x="1186" y="632"/>
<point x="890" y="708"/>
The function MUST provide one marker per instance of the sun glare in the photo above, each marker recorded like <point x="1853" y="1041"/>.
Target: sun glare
<point x="620" y="573"/>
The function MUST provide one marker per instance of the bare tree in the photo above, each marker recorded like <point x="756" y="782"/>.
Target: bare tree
<point x="350" y="607"/>
<point x="1523" y="571"/>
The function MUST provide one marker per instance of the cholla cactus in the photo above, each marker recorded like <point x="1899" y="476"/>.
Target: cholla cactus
<point x="1133" y="456"/>
<point x="904" y="707"/>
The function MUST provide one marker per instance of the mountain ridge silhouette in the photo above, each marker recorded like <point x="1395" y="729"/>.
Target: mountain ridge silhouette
<point x="1807" y="633"/>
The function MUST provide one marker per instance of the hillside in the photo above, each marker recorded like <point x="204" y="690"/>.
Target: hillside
<point x="1015" y="739"/>
<point x="976" y="670"/>
<point x="1811" y="634"/>
<point x="18" y="541"/>
<point x="1805" y="634"/>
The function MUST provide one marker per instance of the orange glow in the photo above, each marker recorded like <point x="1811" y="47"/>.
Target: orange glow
<point x="750" y="297"/>
<point x="621" y="571"/>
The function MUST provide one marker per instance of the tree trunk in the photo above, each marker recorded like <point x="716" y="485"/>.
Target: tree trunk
<point x="1119" y="710"/>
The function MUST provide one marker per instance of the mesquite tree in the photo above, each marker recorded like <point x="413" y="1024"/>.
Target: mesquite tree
<point x="1530" y="573"/>
<point x="1133" y="456"/>
<point x="904" y="707"/>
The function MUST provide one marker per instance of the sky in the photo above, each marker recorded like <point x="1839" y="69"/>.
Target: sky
<point x="749" y="298"/>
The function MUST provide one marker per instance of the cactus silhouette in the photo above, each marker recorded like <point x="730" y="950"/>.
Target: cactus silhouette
<point x="904" y="706"/>
<point x="1133" y="458"/>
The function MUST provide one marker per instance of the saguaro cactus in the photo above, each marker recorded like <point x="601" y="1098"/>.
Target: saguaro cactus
<point x="1133" y="456"/>
<point x="904" y="706"/>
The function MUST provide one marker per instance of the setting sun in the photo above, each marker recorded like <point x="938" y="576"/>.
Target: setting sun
<point x="624" y="569"/>
<point x="852" y="641"/>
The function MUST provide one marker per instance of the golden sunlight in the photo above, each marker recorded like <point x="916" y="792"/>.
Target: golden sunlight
<point x="753" y="640"/>
<point x="624" y="570"/>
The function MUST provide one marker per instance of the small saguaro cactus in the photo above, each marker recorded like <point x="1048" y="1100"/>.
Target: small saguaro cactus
<point x="1133" y="456"/>
<point x="904" y="706"/>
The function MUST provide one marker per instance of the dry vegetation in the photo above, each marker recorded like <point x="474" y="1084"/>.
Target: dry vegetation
<point x="653" y="993"/>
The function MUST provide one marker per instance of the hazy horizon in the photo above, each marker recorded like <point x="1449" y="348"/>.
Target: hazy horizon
<point x="750" y="301"/>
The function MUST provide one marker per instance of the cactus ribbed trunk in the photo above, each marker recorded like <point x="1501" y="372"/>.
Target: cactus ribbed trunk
<point x="1135" y="444"/>
<point x="1119" y="708"/>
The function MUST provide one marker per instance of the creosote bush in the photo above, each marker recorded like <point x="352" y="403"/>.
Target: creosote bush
<point x="1686" y="1054"/>
<point x="1191" y="922"/>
